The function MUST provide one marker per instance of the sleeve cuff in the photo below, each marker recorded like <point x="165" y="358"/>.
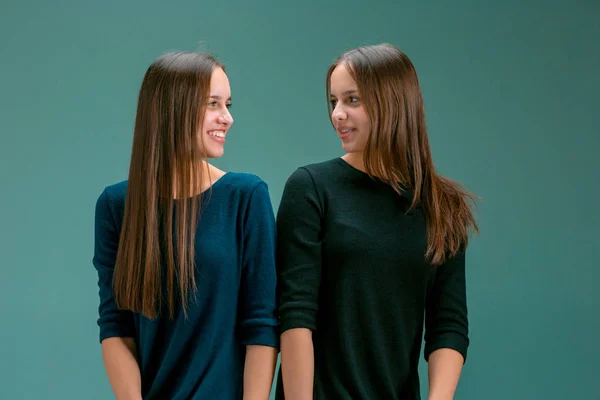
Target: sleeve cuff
<point x="261" y="336"/>
<point x="115" y="330"/>
<point x="448" y="340"/>
<point x="299" y="319"/>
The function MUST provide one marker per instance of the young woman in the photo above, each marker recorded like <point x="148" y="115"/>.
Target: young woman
<point x="184" y="251"/>
<point x="371" y="247"/>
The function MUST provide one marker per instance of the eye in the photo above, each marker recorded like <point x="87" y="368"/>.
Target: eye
<point x="228" y="105"/>
<point x="333" y="102"/>
<point x="212" y="103"/>
<point x="353" y="99"/>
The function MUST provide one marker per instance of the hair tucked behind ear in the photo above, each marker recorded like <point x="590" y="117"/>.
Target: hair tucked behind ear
<point x="397" y="149"/>
<point x="157" y="229"/>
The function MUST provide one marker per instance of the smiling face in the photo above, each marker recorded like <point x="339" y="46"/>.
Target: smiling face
<point x="217" y="118"/>
<point x="348" y="115"/>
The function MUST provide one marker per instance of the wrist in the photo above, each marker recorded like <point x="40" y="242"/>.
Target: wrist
<point x="440" y="397"/>
<point x="130" y="397"/>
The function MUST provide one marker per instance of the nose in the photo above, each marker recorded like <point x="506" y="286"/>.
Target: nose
<point x="338" y="114"/>
<point x="225" y="118"/>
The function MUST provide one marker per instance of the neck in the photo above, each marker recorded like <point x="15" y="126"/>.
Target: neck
<point x="208" y="176"/>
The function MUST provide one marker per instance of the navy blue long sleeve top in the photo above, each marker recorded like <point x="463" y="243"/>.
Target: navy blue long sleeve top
<point x="201" y="357"/>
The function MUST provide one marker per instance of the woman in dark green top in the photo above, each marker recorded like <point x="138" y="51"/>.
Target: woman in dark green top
<point x="371" y="248"/>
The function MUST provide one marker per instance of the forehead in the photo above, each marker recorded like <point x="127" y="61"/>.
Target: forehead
<point x="341" y="80"/>
<point x="219" y="81"/>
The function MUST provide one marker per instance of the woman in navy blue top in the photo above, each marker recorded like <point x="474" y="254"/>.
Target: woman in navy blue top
<point x="184" y="251"/>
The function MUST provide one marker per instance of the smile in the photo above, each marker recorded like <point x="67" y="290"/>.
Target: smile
<point x="219" y="134"/>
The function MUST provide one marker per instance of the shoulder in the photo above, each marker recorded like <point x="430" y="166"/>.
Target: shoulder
<point x="242" y="189"/>
<point x="243" y="183"/>
<point x="117" y="191"/>
<point x="327" y="167"/>
<point x="111" y="201"/>
<point x="312" y="173"/>
<point x="248" y="194"/>
<point x="315" y="177"/>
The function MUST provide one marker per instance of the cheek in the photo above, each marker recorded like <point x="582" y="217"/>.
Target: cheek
<point x="363" y="121"/>
<point x="209" y="119"/>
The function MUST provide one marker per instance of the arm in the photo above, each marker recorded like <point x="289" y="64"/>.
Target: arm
<point x="258" y="321"/>
<point x="297" y="363"/>
<point x="444" y="370"/>
<point x="446" y="336"/>
<point x="116" y="326"/>
<point x="299" y="278"/>
<point x="259" y="370"/>
<point x="120" y="361"/>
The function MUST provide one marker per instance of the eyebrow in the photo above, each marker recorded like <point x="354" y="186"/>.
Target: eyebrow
<point x="218" y="97"/>
<point x="347" y="92"/>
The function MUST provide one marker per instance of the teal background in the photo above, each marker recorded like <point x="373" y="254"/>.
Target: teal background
<point x="511" y="92"/>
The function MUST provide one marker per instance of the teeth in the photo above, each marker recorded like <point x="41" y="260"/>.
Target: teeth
<point x="220" y="134"/>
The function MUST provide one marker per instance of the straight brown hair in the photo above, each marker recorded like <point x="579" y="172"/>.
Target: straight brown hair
<point x="397" y="150"/>
<point x="155" y="259"/>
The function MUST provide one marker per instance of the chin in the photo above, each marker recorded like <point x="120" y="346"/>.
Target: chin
<point x="214" y="154"/>
<point x="349" y="148"/>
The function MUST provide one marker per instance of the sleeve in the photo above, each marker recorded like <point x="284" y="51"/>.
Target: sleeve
<point x="446" y="321"/>
<point x="299" y="252"/>
<point x="112" y="321"/>
<point x="258" y="320"/>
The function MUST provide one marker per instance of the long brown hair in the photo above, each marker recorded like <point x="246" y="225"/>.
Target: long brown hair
<point x="397" y="150"/>
<point x="162" y="203"/>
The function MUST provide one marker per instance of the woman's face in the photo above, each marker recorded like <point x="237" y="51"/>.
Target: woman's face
<point x="217" y="119"/>
<point x="349" y="116"/>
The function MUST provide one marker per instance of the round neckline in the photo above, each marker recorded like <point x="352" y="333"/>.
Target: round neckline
<point x="351" y="167"/>
<point x="208" y="189"/>
<point x="408" y="192"/>
<point x="215" y="182"/>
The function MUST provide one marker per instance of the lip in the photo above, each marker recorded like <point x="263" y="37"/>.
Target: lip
<point x="215" y="138"/>
<point x="341" y="134"/>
